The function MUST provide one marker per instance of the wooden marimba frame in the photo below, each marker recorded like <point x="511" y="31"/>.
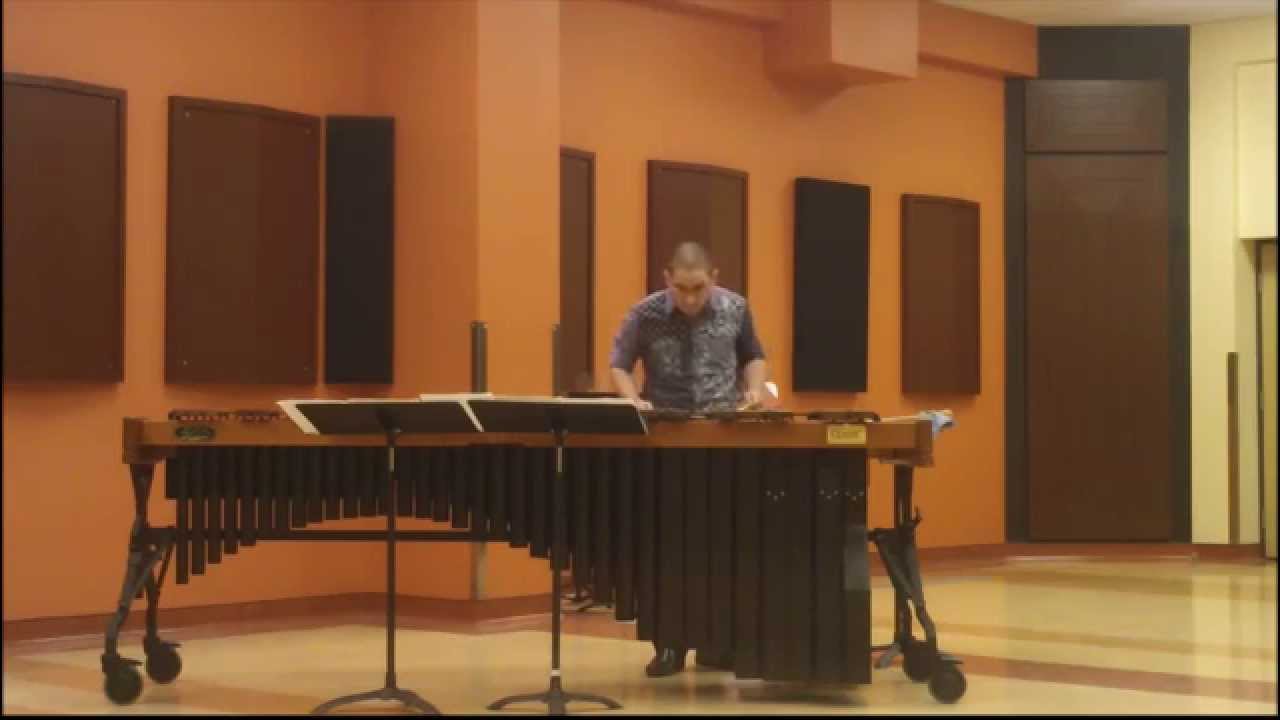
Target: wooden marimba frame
<point x="747" y="535"/>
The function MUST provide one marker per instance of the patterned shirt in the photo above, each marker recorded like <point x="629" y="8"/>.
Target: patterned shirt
<point x="690" y="363"/>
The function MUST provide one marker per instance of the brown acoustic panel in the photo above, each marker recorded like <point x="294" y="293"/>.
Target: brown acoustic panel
<point x="1097" y="116"/>
<point x="64" y="160"/>
<point x="941" y="277"/>
<point x="577" y="242"/>
<point x="703" y="204"/>
<point x="1099" y="422"/>
<point x="241" y="269"/>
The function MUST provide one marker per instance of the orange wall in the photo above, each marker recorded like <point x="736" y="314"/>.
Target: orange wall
<point x="710" y="101"/>
<point x="876" y="35"/>
<point x="423" y="73"/>
<point x="518" y="235"/>
<point x="67" y="504"/>
<point x="68" y="507"/>
<point x="519" y="224"/>
<point x="758" y="12"/>
<point x="981" y="43"/>
<point x="483" y="95"/>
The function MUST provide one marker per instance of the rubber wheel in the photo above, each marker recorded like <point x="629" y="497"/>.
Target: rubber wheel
<point x="917" y="662"/>
<point x="123" y="684"/>
<point x="163" y="664"/>
<point x="947" y="684"/>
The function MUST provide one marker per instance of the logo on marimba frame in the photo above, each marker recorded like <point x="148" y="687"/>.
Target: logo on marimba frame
<point x="193" y="433"/>
<point x="846" y="434"/>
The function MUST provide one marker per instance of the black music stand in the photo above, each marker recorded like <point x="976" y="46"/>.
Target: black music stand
<point x="559" y="416"/>
<point x="388" y="418"/>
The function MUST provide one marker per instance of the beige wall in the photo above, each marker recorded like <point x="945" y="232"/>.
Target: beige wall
<point x="1222" y="277"/>
<point x="1256" y="149"/>
<point x="1267" y="288"/>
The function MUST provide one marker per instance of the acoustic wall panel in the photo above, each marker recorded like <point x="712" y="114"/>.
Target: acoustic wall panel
<point x="577" y="241"/>
<point x="940" y="295"/>
<point x="832" y="227"/>
<point x="359" y="249"/>
<point x="242" y="258"/>
<point x="703" y="204"/>
<point x="64" y="159"/>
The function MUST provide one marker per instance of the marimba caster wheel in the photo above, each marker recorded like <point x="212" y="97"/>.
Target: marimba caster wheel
<point x="918" y="662"/>
<point x="947" y="684"/>
<point x="123" y="684"/>
<point x="163" y="663"/>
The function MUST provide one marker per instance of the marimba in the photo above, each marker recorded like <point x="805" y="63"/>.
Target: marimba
<point x="745" y="532"/>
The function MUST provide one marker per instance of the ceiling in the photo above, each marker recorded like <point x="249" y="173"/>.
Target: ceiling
<point x="1118" y="12"/>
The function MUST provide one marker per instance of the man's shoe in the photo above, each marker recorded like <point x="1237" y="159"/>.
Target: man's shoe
<point x="713" y="659"/>
<point x="666" y="662"/>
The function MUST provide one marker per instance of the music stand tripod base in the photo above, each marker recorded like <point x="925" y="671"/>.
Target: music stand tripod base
<point x="559" y="417"/>
<point x="408" y="698"/>
<point x="388" y="418"/>
<point x="556" y="699"/>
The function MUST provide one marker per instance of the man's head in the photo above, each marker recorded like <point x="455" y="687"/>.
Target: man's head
<point x="690" y="277"/>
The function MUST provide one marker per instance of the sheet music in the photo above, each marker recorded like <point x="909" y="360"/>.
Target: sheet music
<point x="554" y="400"/>
<point x="462" y="399"/>
<point x="290" y="408"/>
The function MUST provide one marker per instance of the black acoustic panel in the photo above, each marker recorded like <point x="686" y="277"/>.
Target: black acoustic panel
<point x="359" y="249"/>
<point x="832" y="226"/>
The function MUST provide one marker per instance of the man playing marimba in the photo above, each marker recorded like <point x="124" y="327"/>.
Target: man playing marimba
<point x="700" y="353"/>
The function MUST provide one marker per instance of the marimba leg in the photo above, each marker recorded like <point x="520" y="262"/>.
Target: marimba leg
<point x="123" y="683"/>
<point x="147" y="546"/>
<point x="920" y="660"/>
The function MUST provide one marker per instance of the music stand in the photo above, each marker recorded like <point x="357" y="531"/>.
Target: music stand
<point x="388" y="418"/>
<point x="559" y="416"/>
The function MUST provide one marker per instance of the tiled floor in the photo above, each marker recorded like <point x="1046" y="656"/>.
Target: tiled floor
<point x="1039" y="636"/>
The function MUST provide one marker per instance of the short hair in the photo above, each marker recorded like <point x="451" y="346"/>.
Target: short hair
<point x="691" y="256"/>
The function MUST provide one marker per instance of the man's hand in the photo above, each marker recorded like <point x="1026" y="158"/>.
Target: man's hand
<point x="626" y="387"/>
<point x="754" y="395"/>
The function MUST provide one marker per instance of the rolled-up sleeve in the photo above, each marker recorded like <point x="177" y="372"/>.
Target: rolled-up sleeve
<point x="626" y="344"/>
<point x="748" y="344"/>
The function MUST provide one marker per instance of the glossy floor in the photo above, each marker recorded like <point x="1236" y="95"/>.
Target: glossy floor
<point x="1036" y="636"/>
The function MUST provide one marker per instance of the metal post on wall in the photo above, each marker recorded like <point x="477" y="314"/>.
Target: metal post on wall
<point x="479" y="383"/>
<point x="479" y="356"/>
<point x="557" y="380"/>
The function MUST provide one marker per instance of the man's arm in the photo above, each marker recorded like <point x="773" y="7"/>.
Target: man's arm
<point x="626" y="387"/>
<point x="755" y="370"/>
<point x="753" y="377"/>
<point x="626" y="349"/>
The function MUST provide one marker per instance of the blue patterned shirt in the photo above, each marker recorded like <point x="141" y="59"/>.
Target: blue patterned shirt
<point x="689" y="363"/>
